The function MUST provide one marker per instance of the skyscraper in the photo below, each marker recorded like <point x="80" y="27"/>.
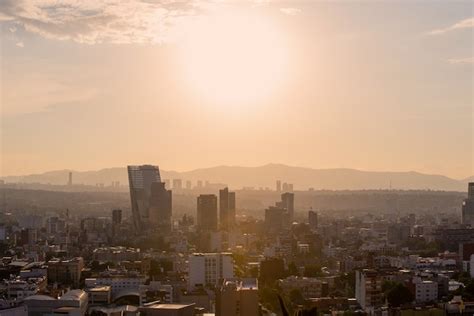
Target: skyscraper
<point x="69" y="182"/>
<point x="288" y="203"/>
<point x="226" y="208"/>
<point x="116" y="221"/>
<point x="160" y="207"/>
<point x="116" y="217"/>
<point x="142" y="196"/>
<point x="207" y="212"/>
<point x="274" y="219"/>
<point x="313" y="220"/>
<point x="468" y="206"/>
<point x="278" y="186"/>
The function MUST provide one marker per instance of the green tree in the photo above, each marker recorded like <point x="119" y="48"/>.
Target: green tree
<point x="399" y="295"/>
<point x="296" y="298"/>
<point x="292" y="269"/>
<point x="312" y="270"/>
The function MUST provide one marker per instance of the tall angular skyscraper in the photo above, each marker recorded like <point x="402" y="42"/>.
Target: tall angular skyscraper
<point x="226" y="208"/>
<point x="150" y="200"/>
<point x="207" y="212"/>
<point x="468" y="206"/>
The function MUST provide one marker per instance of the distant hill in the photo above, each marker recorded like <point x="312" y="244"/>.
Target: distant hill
<point x="265" y="176"/>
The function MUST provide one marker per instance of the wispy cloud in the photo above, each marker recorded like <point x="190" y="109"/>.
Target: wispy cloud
<point x="290" y="11"/>
<point x="91" y="21"/>
<point x="462" y="61"/>
<point x="20" y="44"/>
<point x="463" y="24"/>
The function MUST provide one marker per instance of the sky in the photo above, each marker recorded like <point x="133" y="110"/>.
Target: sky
<point x="371" y="85"/>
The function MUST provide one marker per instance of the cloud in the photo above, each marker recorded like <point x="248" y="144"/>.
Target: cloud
<point x="92" y="21"/>
<point x="463" y="24"/>
<point x="20" y="44"/>
<point x="290" y="11"/>
<point x="462" y="61"/>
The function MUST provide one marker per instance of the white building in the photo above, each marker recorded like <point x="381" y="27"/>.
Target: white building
<point x="368" y="289"/>
<point x="118" y="284"/>
<point x="207" y="269"/>
<point x="426" y="291"/>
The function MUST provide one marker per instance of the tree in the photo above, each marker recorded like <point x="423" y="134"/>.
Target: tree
<point x="296" y="297"/>
<point x="292" y="269"/>
<point x="312" y="270"/>
<point x="399" y="295"/>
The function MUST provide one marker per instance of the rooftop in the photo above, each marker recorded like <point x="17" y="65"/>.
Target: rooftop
<point x="171" y="306"/>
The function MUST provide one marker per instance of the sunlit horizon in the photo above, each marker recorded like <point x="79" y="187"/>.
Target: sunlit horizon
<point x="201" y="84"/>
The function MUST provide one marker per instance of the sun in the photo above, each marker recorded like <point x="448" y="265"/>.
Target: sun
<point x="234" y="59"/>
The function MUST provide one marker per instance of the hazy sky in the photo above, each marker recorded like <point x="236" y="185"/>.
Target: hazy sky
<point x="371" y="85"/>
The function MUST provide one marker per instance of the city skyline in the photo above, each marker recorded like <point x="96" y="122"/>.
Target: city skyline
<point x="340" y="91"/>
<point x="236" y="158"/>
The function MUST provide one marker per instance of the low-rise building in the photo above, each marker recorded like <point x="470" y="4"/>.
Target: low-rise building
<point x="426" y="291"/>
<point x="206" y="269"/>
<point x="309" y="287"/>
<point x="167" y="310"/>
<point x="237" y="298"/>
<point x="99" y="295"/>
<point x="65" y="271"/>
<point x="73" y="303"/>
<point x="18" y="290"/>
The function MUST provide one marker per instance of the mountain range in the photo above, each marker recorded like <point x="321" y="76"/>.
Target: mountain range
<point x="265" y="176"/>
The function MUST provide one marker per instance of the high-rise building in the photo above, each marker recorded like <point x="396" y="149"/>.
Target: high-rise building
<point x="149" y="197"/>
<point x="116" y="221"/>
<point x="313" y="220"/>
<point x="116" y="217"/>
<point x="237" y="298"/>
<point x="160" y="207"/>
<point x="207" y="269"/>
<point x="468" y="206"/>
<point x="199" y="184"/>
<point x="288" y="203"/>
<point x="188" y="185"/>
<point x="274" y="218"/>
<point x="368" y="291"/>
<point x="226" y="208"/>
<point x="207" y="212"/>
<point x="278" y="186"/>
<point x="69" y="182"/>
<point x="177" y="184"/>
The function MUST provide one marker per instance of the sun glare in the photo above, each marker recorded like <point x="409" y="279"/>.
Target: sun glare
<point x="236" y="60"/>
